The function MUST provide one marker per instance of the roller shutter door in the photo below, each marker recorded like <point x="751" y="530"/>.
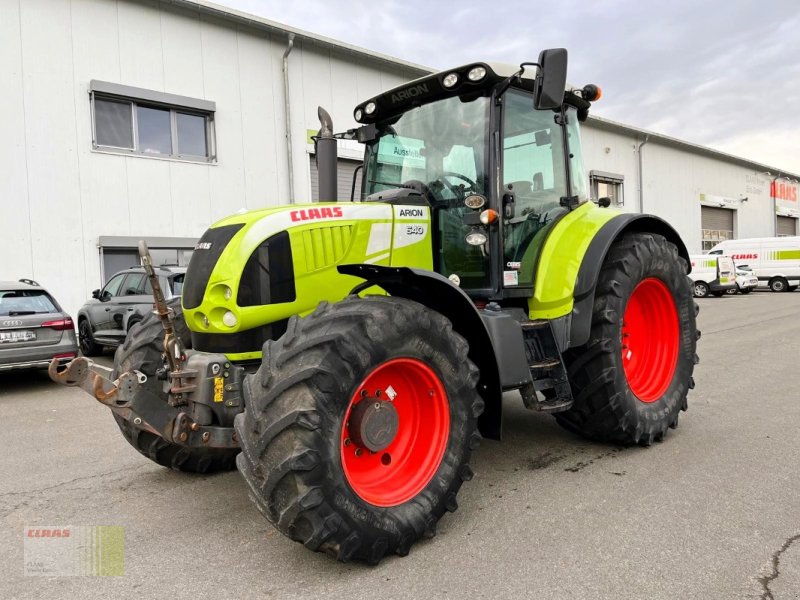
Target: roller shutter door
<point x="787" y="226"/>
<point x="344" y="179"/>
<point x="720" y="219"/>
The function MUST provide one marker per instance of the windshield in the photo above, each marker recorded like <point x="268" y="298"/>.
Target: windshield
<point x="439" y="149"/>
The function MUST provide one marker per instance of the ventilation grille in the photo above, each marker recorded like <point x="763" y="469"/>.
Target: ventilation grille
<point x="325" y="246"/>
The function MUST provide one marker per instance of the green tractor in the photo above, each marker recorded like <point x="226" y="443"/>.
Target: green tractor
<point x="348" y="357"/>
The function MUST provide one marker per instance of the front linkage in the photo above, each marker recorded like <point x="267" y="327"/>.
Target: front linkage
<point x="190" y="401"/>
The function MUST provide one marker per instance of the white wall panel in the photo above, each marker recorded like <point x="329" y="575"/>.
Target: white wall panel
<point x="182" y="52"/>
<point x="16" y="259"/>
<point x="220" y="57"/>
<point x="261" y="143"/>
<point x="141" y="54"/>
<point x="53" y="174"/>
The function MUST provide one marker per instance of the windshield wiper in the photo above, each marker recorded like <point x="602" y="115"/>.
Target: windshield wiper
<point x="18" y="313"/>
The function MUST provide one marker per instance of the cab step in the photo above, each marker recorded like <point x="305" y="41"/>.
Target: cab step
<point x="550" y="390"/>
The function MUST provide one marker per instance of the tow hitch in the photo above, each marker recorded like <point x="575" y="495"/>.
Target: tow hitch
<point x="193" y="390"/>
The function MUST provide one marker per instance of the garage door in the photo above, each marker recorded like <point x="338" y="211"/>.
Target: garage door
<point x="787" y="226"/>
<point x="344" y="179"/>
<point x="716" y="225"/>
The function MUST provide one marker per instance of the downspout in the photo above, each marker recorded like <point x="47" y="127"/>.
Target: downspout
<point x="288" y="116"/>
<point x="773" y="188"/>
<point x="641" y="181"/>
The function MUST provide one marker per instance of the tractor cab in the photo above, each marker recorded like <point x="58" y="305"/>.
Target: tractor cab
<point x="494" y="151"/>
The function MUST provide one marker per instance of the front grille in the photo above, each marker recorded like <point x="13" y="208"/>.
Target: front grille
<point x="203" y="261"/>
<point x="268" y="275"/>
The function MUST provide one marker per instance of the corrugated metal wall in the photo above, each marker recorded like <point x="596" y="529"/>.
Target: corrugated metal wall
<point x="787" y="226"/>
<point x="344" y="179"/>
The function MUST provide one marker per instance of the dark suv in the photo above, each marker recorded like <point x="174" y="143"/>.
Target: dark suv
<point x="123" y="302"/>
<point x="33" y="327"/>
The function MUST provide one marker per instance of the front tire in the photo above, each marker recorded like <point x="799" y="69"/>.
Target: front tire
<point x="305" y="446"/>
<point x="631" y="380"/>
<point x="142" y="351"/>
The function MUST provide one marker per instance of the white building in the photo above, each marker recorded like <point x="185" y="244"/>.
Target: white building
<point x="129" y="119"/>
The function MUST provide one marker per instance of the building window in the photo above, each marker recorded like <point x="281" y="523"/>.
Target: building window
<point x="133" y="121"/>
<point x="607" y="185"/>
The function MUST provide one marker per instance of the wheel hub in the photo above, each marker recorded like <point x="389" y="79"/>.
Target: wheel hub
<point x="373" y="424"/>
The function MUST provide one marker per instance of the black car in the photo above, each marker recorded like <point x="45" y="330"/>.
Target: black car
<point x="124" y="301"/>
<point x="34" y="329"/>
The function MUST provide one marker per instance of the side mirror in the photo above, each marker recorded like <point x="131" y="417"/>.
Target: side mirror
<point x="551" y="80"/>
<point x="604" y="202"/>
<point x="96" y="294"/>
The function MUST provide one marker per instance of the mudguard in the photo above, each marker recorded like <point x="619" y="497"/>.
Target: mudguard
<point x="440" y="294"/>
<point x="583" y="297"/>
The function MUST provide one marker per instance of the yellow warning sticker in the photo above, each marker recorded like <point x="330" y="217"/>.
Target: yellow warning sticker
<point x="218" y="389"/>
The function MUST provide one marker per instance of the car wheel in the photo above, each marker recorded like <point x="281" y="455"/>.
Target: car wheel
<point x="732" y="291"/>
<point x="700" y="289"/>
<point x="86" y="340"/>
<point x="778" y="284"/>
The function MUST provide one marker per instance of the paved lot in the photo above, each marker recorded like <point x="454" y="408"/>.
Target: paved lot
<point x="713" y="512"/>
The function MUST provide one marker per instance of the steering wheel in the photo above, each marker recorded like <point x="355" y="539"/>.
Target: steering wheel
<point x="472" y="184"/>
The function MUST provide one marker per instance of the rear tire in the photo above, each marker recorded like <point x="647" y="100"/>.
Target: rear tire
<point x="632" y="393"/>
<point x="297" y="453"/>
<point x="779" y="284"/>
<point x="700" y="289"/>
<point x="142" y="351"/>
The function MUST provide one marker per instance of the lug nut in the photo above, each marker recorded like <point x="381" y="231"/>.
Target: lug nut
<point x="359" y="451"/>
<point x="183" y="436"/>
<point x="347" y="441"/>
<point x="195" y="426"/>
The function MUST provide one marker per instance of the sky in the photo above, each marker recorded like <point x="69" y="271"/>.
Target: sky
<point x="721" y="73"/>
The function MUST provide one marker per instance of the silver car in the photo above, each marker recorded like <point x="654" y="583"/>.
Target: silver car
<point x="33" y="327"/>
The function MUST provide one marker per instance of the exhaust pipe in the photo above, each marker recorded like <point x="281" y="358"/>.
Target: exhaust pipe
<point x="327" y="158"/>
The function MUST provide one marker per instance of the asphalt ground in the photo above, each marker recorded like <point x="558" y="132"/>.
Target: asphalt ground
<point x="712" y="512"/>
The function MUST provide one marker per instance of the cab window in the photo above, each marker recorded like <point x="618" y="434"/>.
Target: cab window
<point x="535" y="174"/>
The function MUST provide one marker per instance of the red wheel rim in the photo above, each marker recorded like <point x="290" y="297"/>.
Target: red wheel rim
<point x="650" y="339"/>
<point x="400" y="471"/>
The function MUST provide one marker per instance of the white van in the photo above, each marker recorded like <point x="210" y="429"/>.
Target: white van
<point x="775" y="260"/>
<point x="712" y="275"/>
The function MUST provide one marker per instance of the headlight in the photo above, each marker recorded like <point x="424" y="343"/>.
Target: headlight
<point x="369" y="108"/>
<point x="229" y="319"/>
<point x="475" y="201"/>
<point x="450" y="80"/>
<point x="358" y="115"/>
<point x="476" y="73"/>
<point x="476" y="237"/>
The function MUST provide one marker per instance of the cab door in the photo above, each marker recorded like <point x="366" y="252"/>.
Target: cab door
<point x="533" y="181"/>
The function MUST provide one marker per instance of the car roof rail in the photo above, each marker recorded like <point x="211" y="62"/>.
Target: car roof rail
<point x="30" y="282"/>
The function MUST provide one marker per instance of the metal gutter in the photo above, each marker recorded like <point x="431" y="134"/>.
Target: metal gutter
<point x="288" y="114"/>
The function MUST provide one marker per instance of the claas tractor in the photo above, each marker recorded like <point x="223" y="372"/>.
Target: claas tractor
<point x="348" y="357"/>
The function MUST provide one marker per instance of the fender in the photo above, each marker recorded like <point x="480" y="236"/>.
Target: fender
<point x="592" y="262"/>
<point x="440" y="294"/>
